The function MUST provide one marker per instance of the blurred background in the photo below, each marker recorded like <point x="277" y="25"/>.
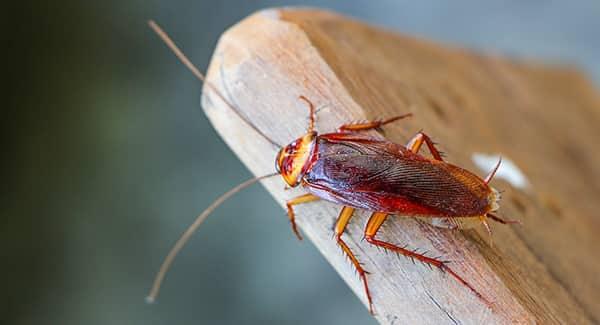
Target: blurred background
<point x="109" y="158"/>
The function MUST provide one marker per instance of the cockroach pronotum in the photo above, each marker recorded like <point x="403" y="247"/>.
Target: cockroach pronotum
<point x="362" y="172"/>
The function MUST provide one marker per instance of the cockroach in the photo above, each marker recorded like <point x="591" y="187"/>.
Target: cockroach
<point x="357" y="171"/>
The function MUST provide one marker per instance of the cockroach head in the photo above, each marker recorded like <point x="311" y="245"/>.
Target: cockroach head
<point x="294" y="160"/>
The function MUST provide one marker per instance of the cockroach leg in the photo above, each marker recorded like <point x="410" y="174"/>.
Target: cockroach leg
<point x="503" y="221"/>
<point x="488" y="229"/>
<point x="340" y="227"/>
<point x="305" y="198"/>
<point x="373" y="225"/>
<point x="311" y="115"/>
<point x="370" y="125"/>
<point x="416" y="142"/>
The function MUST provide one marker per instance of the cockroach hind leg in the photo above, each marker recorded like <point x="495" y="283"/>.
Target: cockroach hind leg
<point x="504" y="221"/>
<point x="374" y="224"/>
<point x="488" y="229"/>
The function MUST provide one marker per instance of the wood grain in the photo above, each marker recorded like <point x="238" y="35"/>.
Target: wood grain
<point x="545" y="119"/>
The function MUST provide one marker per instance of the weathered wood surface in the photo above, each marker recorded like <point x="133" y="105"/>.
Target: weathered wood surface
<point x="546" y="120"/>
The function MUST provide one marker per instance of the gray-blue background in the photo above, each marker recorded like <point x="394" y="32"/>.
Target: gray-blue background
<point x="108" y="158"/>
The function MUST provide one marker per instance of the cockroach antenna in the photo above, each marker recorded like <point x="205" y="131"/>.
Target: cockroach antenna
<point x="200" y="219"/>
<point x="190" y="231"/>
<point x="169" y="42"/>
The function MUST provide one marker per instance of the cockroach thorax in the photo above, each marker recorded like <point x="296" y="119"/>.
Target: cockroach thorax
<point x="294" y="160"/>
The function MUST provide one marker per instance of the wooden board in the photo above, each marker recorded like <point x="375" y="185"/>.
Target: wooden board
<point x="544" y="119"/>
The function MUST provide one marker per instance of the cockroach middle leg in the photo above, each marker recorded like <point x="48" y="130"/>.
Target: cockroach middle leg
<point x="370" y="125"/>
<point x="373" y="226"/>
<point x="416" y="142"/>
<point x="305" y="198"/>
<point x="340" y="227"/>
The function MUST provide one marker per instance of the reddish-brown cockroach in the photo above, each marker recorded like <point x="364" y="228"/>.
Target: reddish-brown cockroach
<point x="361" y="172"/>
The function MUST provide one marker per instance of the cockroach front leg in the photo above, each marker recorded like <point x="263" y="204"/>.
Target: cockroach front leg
<point x="340" y="227"/>
<point x="370" y="125"/>
<point x="416" y="142"/>
<point x="290" y="210"/>
<point x="373" y="225"/>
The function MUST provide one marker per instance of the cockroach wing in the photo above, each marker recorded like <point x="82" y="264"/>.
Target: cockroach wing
<point x="383" y="176"/>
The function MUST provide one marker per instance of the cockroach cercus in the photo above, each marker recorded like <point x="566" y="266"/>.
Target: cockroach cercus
<point x="362" y="172"/>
